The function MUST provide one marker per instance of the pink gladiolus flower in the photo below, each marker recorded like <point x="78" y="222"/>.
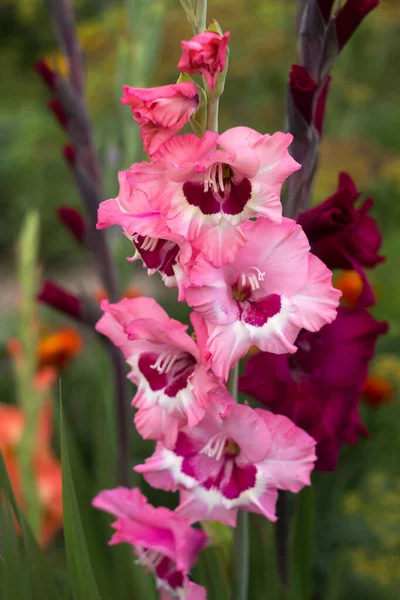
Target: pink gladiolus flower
<point x="205" y="54"/>
<point x="172" y="377"/>
<point x="273" y="289"/>
<point x="163" y="542"/>
<point x="161" y="112"/>
<point x="205" y="188"/>
<point x="236" y="457"/>
<point x="154" y="243"/>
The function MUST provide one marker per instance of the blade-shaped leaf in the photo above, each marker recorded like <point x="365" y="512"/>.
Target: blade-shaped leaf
<point x="83" y="582"/>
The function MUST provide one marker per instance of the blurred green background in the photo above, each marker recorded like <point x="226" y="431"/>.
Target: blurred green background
<point x="358" y="523"/>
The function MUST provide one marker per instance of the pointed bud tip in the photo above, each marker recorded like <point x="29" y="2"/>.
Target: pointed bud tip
<point x="47" y="74"/>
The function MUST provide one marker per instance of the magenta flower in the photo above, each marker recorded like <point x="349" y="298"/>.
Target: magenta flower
<point x="236" y="457"/>
<point x="163" y="542"/>
<point x="342" y="235"/>
<point x="205" y="54"/>
<point x="172" y="377"/>
<point x="161" y="112"/>
<point x="205" y="188"/>
<point x="273" y="289"/>
<point x="154" y="243"/>
<point x="320" y="387"/>
<point x="302" y="88"/>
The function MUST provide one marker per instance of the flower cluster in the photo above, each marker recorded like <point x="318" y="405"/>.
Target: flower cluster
<point x="205" y="213"/>
<point x="320" y="387"/>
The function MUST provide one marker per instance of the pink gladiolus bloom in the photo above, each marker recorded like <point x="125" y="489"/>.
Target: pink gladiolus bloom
<point x="172" y="378"/>
<point x="205" y="188"/>
<point x="274" y="288"/>
<point x="163" y="542"/>
<point x="153" y="241"/>
<point x="205" y="54"/>
<point x="236" y="457"/>
<point x="161" y="112"/>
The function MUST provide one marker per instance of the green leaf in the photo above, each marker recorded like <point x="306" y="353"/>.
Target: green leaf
<point x="83" y="582"/>
<point x="36" y="573"/>
<point x="302" y="546"/>
<point x="12" y="560"/>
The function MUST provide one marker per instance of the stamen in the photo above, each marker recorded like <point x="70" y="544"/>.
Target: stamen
<point x="149" y="243"/>
<point x="149" y="558"/>
<point x="253" y="278"/>
<point x="215" y="446"/>
<point x="164" y="362"/>
<point x="221" y="176"/>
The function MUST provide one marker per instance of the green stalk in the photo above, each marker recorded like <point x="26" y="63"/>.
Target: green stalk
<point x="240" y="547"/>
<point x="28" y="397"/>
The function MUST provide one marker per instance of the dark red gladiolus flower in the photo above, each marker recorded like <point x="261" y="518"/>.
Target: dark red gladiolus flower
<point x="302" y="88"/>
<point x="319" y="388"/>
<point x="73" y="220"/>
<point x="342" y="235"/>
<point x="46" y="73"/>
<point x="325" y="6"/>
<point x="319" y="114"/>
<point x="56" y="108"/>
<point x="60" y="299"/>
<point x="350" y="16"/>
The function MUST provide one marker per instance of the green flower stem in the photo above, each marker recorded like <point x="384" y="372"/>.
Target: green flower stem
<point x="240" y="548"/>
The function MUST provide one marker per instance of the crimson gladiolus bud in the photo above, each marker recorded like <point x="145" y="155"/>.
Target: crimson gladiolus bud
<point x="350" y="16"/>
<point x="60" y="299"/>
<point x="73" y="220"/>
<point x="69" y="153"/>
<point x="302" y="88"/>
<point x="56" y="108"/>
<point x="325" y="6"/>
<point x="319" y="114"/>
<point x="47" y="74"/>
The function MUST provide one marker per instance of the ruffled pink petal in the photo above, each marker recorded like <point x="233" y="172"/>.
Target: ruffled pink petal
<point x="171" y="333"/>
<point x="155" y="423"/>
<point x="279" y="251"/>
<point x="156" y="469"/>
<point x="264" y="504"/>
<point x="237" y="137"/>
<point x="210" y="294"/>
<point x="128" y="309"/>
<point x="220" y="244"/>
<point x="111" y="328"/>
<point x="181" y="153"/>
<point x="119" y="501"/>
<point x="291" y="456"/>
<point x="195" y="591"/>
<point x="193" y="509"/>
<point x="249" y="431"/>
<point x="318" y="299"/>
<point x="227" y="344"/>
<point x="201" y="335"/>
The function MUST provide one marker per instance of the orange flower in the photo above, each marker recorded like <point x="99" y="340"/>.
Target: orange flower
<point x="351" y="285"/>
<point x="57" y="349"/>
<point x="45" y="464"/>
<point x="377" y="390"/>
<point x="130" y="292"/>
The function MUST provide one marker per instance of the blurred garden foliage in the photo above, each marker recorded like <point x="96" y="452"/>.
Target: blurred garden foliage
<point x="362" y="137"/>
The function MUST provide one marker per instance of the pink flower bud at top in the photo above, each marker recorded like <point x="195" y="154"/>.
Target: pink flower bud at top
<point x="56" y="108"/>
<point x="161" y="112"/>
<point x="46" y="73"/>
<point x="60" y="299"/>
<point x="69" y="153"/>
<point x="205" y="54"/>
<point x="302" y="88"/>
<point x="350" y="16"/>
<point x="73" y="220"/>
